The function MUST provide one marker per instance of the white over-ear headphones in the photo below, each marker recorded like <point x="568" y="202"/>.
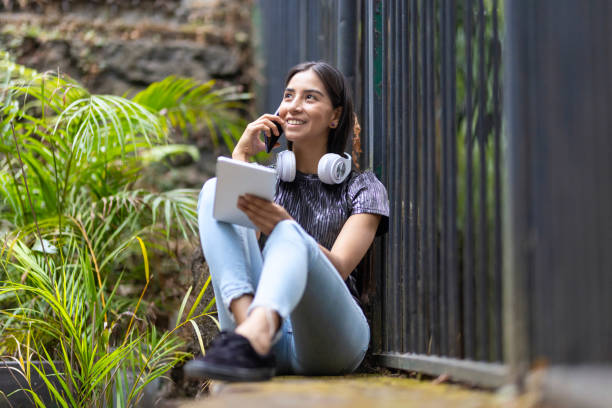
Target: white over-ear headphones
<point x="332" y="169"/>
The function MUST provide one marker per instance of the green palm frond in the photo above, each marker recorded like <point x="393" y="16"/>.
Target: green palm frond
<point x="10" y="70"/>
<point x="101" y="122"/>
<point x="73" y="323"/>
<point x="188" y="103"/>
<point x="73" y="160"/>
<point x="113" y="221"/>
<point x="95" y="144"/>
<point x="50" y="89"/>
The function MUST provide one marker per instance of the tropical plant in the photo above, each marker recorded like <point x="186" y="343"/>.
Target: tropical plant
<point x="189" y="104"/>
<point x="71" y="217"/>
<point x="61" y="315"/>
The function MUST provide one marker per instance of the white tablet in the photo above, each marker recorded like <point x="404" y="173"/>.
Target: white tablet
<point x="235" y="178"/>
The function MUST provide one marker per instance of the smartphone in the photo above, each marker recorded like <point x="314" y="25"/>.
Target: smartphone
<point x="271" y="141"/>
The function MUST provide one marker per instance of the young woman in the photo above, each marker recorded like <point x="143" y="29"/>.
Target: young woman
<point x="288" y="308"/>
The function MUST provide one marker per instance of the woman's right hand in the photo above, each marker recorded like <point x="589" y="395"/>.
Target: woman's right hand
<point x="250" y="144"/>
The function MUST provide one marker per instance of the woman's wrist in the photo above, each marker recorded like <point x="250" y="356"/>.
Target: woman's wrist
<point x="238" y="155"/>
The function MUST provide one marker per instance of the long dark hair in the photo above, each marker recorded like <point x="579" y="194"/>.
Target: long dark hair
<point x="339" y="92"/>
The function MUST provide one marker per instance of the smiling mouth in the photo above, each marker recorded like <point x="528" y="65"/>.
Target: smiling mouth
<point x="295" y="122"/>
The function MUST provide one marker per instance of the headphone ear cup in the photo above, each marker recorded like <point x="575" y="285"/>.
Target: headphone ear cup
<point x="285" y="165"/>
<point x="333" y="168"/>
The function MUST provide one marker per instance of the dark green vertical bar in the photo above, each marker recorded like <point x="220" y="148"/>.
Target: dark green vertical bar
<point x="449" y="296"/>
<point x="469" y="325"/>
<point x="404" y="165"/>
<point x="430" y="159"/>
<point x="390" y="121"/>
<point x="424" y="271"/>
<point x="452" y="265"/>
<point x="497" y="239"/>
<point x="482" y="280"/>
<point x="444" y="199"/>
<point x="346" y="24"/>
<point x="415" y="317"/>
<point x="379" y="149"/>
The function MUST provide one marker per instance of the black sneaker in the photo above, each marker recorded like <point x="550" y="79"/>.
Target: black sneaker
<point x="230" y="357"/>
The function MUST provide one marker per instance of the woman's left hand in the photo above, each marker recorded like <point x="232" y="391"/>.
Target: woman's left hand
<point x="263" y="213"/>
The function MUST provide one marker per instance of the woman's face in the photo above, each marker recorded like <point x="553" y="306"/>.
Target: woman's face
<point x="307" y="109"/>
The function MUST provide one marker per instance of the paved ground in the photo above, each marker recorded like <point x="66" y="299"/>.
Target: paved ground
<point x="351" y="392"/>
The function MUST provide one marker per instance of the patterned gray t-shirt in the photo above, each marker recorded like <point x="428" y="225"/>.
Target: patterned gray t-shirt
<point x="322" y="209"/>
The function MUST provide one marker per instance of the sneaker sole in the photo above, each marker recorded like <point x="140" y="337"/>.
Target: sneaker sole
<point x="200" y="370"/>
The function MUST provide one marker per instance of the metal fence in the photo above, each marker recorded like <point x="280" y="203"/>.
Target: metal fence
<point x="559" y="271"/>
<point x="438" y="152"/>
<point x="427" y="78"/>
<point x="292" y="31"/>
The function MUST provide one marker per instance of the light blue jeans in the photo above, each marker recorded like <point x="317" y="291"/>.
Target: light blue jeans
<point x="324" y="331"/>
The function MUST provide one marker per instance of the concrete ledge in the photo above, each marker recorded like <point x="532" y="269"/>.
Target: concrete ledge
<point x="490" y="375"/>
<point x="355" y="391"/>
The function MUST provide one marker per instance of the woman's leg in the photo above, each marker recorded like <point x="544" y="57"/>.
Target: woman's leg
<point x="233" y="257"/>
<point x="235" y="264"/>
<point x="330" y="332"/>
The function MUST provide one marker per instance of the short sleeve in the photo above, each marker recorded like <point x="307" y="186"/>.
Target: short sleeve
<point x="368" y="195"/>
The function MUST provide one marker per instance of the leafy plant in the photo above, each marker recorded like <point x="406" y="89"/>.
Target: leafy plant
<point x="71" y="216"/>
<point x="188" y="104"/>
<point x="57" y="317"/>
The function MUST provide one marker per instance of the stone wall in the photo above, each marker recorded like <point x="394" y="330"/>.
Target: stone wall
<point x="121" y="46"/>
<point x="118" y="46"/>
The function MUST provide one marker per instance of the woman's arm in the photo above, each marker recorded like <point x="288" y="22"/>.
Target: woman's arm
<point x="352" y="243"/>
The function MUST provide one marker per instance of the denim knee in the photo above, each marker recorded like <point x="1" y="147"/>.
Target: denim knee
<point x="207" y="193"/>
<point x="290" y="228"/>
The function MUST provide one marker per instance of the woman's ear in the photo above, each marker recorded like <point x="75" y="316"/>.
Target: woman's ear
<point x="336" y="117"/>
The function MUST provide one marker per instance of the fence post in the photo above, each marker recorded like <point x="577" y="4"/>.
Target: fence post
<point x="558" y="96"/>
<point x="347" y="40"/>
<point x="515" y="257"/>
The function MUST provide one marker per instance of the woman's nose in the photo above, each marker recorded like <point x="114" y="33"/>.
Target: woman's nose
<point x="295" y="104"/>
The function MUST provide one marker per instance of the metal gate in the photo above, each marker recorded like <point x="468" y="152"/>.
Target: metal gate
<point x="427" y="79"/>
<point x="559" y="259"/>
<point x="432" y="110"/>
<point x="426" y="75"/>
<point x="292" y="31"/>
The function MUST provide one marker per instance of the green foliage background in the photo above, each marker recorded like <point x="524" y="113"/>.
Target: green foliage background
<point x="73" y="220"/>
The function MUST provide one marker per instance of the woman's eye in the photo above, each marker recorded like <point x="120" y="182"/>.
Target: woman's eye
<point x="310" y="97"/>
<point x="287" y="95"/>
